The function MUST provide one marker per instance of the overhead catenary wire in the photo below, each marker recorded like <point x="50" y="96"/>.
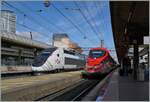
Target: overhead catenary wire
<point x="70" y="22"/>
<point x="29" y="17"/>
<point x="83" y="15"/>
<point x="43" y="18"/>
<point x="44" y="27"/>
<point x="92" y="18"/>
<point x="30" y="29"/>
<point x="27" y="27"/>
<point x="90" y="15"/>
<point x="39" y="23"/>
<point x="100" y="14"/>
<point x="46" y="20"/>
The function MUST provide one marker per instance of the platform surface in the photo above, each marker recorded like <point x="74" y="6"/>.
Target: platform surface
<point x="125" y="88"/>
<point x="9" y="84"/>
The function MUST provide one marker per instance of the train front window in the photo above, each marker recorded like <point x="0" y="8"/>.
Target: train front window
<point x="96" y="53"/>
<point x="40" y="59"/>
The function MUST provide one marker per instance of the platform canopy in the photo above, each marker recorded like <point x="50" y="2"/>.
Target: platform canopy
<point x="130" y="23"/>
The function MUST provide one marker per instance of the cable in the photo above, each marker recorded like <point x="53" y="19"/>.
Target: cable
<point x="70" y="21"/>
<point x="43" y="18"/>
<point x="86" y="19"/>
<point x="22" y="25"/>
<point x="57" y="10"/>
<point x="102" y="13"/>
<point x="88" y="11"/>
<point x="99" y="14"/>
<point x="25" y="14"/>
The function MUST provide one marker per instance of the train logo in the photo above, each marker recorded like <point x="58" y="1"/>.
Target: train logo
<point x="57" y="61"/>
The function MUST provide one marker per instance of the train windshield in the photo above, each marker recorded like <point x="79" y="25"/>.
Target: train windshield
<point x="96" y="53"/>
<point x="41" y="59"/>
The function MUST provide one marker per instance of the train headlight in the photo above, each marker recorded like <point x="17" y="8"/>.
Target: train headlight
<point x="96" y="66"/>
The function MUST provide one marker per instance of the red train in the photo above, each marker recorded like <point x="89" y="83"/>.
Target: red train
<point x="98" y="62"/>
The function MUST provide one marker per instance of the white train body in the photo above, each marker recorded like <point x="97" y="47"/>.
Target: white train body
<point x="58" y="58"/>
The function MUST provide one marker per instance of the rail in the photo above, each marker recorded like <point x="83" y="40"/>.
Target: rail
<point x="71" y="93"/>
<point x="79" y="91"/>
<point x="41" y="86"/>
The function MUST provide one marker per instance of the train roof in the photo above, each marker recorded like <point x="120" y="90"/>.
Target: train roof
<point x="99" y="48"/>
<point x="68" y="49"/>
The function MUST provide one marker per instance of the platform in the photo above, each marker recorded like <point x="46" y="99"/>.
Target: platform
<point x="125" y="88"/>
<point x="32" y="87"/>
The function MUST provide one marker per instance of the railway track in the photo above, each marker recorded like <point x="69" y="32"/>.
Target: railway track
<point x="72" y="93"/>
<point x="57" y="87"/>
<point x="34" y="87"/>
<point x="77" y="92"/>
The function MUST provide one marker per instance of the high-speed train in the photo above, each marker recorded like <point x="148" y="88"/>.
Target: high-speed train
<point x="53" y="59"/>
<point x="99" y="62"/>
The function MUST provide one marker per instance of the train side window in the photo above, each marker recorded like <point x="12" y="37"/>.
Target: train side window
<point x="68" y="52"/>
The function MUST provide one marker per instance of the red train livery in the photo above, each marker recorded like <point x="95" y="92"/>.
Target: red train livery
<point x="99" y="61"/>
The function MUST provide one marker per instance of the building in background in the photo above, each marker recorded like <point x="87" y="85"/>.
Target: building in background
<point x="16" y="50"/>
<point x="62" y="40"/>
<point x="19" y="51"/>
<point x="8" y="22"/>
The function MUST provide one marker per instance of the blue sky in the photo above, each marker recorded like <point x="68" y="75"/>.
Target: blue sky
<point x="43" y="24"/>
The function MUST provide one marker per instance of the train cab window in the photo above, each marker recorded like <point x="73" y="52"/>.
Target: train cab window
<point x="41" y="58"/>
<point x="96" y="53"/>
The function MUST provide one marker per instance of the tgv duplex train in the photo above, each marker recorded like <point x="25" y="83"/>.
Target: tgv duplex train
<point x="98" y="62"/>
<point x="55" y="58"/>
